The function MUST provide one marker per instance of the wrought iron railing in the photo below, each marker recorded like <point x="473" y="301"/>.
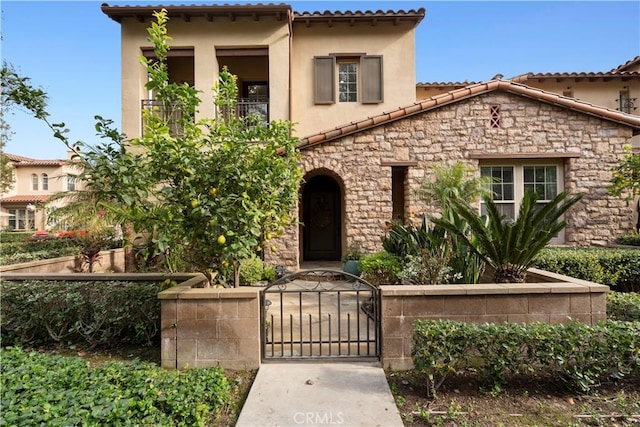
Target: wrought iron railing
<point x="171" y="113"/>
<point x="257" y="110"/>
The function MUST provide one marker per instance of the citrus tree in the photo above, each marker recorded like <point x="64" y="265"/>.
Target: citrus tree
<point x="216" y="187"/>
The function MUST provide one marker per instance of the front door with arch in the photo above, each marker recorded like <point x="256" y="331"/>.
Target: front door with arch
<point x="322" y="219"/>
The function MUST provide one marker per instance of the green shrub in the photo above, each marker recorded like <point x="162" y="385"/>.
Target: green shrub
<point x="618" y="268"/>
<point x="251" y="270"/>
<point x="380" y="268"/>
<point x="14" y="237"/>
<point x="96" y="313"/>
<point x="629" y="239"/>
<point x="623" y="306"/>
<point x="579" y="355"/>
<point x="40" y="389"/>
<point x="269" y="273"/>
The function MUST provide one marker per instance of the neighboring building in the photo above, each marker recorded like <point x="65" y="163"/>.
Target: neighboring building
<point x="340" y="76"/>
<point x="313" y="69"/>
<point x="24" y="207"/>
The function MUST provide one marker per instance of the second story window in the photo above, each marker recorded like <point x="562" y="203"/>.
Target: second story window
<point x="626" y="104"/>
<point x="71" y="183"/>
<point x="45" y="182"/>
<point x="34" y="182"/>
<point x="359" y="79"/>
<point x="348" y="82"/>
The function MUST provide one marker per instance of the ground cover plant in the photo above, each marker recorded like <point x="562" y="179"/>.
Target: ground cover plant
<point x="47" y="389"/>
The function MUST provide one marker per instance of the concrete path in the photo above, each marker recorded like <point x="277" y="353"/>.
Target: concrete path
<point x="320" y="394"/>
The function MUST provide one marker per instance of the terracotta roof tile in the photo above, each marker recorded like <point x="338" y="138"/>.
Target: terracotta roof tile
<point x="604" y="75"/>
<point x="468" y="92"/>
<point x="28" y="161"/>
<point x="629" y="63"/>
<point x="35" y="198"/>
<point x="441" y="84"/>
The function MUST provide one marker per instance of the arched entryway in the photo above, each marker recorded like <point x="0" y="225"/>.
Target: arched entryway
<point x="321" y="219"/>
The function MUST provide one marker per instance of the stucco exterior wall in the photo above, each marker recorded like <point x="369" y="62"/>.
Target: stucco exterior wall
<point x="396" y="44"/>
<point x="204" y="37"/>
<point x="587" y="147"/>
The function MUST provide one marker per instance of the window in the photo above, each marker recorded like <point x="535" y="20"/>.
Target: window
<point x="348" y="82"/>
<point x="45" y="182"/>
<point x="34" y="182"/>
<point x="502" y="187"/>
<point x="625" y="103"/>
<point x="22" y="219"/>
<point x="542" y="180"/>
<point x="359" y="78"/>
<point x="71" y="183"/>
<point x="398" y="179"/>
<point x="511" y="181"/>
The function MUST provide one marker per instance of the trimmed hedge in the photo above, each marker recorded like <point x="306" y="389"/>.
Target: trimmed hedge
<point x="623" y="306"/>
<point x="629" y="239"/>
<point x="101" y="313"/>
<point x="22" y="251"/>
<point x="41" y="389"/>
<point x="10" y="237"/>
<point x="579" y="355"/>
<point x="618" y="268"/>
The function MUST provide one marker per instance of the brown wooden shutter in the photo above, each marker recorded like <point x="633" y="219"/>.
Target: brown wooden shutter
<point x="324" y="79"/>
<point x="372" y="87"/>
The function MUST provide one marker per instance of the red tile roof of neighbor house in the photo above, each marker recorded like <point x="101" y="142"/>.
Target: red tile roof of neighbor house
<point x="255" y="11"/>
<point x="30" y="198"/>
<point x="468" y="92"/>
<point x="630" y="63"/>
<point x="621" y="71"/>
<point x="19" y="161"/>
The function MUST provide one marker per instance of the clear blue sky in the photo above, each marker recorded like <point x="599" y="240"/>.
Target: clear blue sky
<point x="72" y="50"/>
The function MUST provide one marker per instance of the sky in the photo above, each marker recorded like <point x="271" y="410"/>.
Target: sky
<point x="71" y="50"/>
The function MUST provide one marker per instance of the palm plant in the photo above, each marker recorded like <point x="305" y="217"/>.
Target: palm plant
<point x="509" y="247"/>
<point x="457" y="182"/>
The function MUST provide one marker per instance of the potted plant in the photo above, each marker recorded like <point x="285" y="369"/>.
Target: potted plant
<point x="351" y="259"/>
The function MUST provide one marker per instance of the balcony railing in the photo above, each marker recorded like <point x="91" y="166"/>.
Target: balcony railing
<point x="256" y="109"/>
<point x="170" y="113"/>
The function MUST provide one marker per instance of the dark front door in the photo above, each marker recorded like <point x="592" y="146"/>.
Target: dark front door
<point x="321" y="219"/>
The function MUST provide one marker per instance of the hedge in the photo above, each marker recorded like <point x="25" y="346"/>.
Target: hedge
<point x="618" y="268"/>
<point x="42" y="389"/>
<point x="582" y="357"/>
<point x="96" y="313"/>
<point x="623" y="306"/>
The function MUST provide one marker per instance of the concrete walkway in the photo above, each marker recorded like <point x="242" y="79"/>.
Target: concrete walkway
<point x="320" y="394"/>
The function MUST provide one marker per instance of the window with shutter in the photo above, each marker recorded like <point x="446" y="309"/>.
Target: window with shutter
<point x="324" y="81"/>
<point x="372" y="88"/>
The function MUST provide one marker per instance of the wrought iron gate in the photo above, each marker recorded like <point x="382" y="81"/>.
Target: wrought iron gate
<point x="320" y="314"/>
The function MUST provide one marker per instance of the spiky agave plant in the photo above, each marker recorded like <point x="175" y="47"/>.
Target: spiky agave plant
<point x="508" y="246"/>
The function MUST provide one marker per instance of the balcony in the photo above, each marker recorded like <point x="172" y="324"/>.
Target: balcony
<point x="256" y="109"/>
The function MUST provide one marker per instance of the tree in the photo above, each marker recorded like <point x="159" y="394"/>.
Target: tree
<point x="626" y="176"/>
<point x="217" y="188"/>
<point x="17" y="92"/>
<point x="510" y="246"/>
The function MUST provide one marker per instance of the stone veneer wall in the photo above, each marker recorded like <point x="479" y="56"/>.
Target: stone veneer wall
<point x="572" y="300"/>
<point x="589" y="148"/>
